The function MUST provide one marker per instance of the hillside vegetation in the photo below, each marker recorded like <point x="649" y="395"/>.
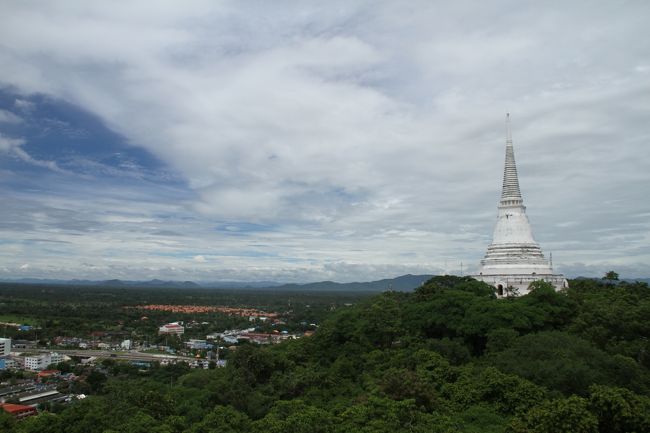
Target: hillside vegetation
<point x="448" y="357"/>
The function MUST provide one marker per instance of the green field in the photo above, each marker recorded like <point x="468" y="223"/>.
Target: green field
<point x="22" y="320"/>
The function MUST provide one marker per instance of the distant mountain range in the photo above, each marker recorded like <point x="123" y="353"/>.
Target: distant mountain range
<point x="629" y="280"/>
<point x="151" y="283"/>
<point x="106" y="283"/>
<point x="402" y="283"/>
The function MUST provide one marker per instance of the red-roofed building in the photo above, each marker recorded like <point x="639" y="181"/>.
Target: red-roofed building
<point x="19" y="411"/>
<point x="171" y="328"/>
<point x="48" y="374"/>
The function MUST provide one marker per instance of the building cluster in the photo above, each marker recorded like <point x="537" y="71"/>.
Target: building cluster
<point x="24" y="354"/>
<point x="25" y="360"/>
<point x="235" y="336"/>
<point x="192" y="309"/>
<point x="102" y="340"/>
<point x="23" y="398"/>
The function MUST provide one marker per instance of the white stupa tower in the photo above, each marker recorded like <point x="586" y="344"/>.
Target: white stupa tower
<point x="513" y="260"/>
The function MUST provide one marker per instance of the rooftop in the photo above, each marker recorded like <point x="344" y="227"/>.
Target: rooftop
<point x="16" y="408"/>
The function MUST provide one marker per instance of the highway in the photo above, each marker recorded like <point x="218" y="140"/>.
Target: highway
<point x="131" y="356"/>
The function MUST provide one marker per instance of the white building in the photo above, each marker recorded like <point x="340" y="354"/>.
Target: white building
<point x="514" y="259"/>
<point x="55" y="358"/>
<point x="198" y="344"/>
<point x="41" y="361"/>
<point x="5" y="346"/>
<point x="36" y="362"/>
<point x="172" y="328"/>
<point x="126" y="345"/>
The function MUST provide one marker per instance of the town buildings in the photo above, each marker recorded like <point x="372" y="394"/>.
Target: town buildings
<point x="514" y="259"/>
<point x="27" y="394"/>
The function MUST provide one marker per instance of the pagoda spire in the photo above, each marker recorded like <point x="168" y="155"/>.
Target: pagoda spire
<point x="510" y="194"/>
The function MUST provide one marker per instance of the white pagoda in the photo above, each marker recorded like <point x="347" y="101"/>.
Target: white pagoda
<point x="514" y="260"/>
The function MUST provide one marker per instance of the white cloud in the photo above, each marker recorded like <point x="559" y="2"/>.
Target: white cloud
<point x="8" y="144"/>
<point x="24" y="105"/>
<point x="9" y="117"/>
<point x="13" y="146"/>
<point x="362" y="133"/>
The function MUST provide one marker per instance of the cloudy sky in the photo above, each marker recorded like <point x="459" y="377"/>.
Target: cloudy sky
<point x="303" y="141"/>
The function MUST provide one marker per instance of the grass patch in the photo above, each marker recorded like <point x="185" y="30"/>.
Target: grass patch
<point x="21" y="320"/>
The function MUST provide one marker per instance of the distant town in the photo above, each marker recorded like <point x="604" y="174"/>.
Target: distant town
<point x="41" y="370"/>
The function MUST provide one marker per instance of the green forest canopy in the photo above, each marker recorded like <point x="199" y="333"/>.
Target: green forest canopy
<point x="449" y="357"/>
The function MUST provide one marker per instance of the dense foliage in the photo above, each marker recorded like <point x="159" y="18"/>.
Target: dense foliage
<point x="449" y="357"/>
<point x="79" y="311"/>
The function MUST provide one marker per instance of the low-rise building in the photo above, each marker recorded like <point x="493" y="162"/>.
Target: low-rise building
<point x="37" y="397"/>
<point x="41" y="361"/>
<point x="36" y="362"/>
<point x="68" y="341"/>
<point x="257" y="338"/>
<point x="13" y="361"/>
<point x="198" y="344"/>
<point x="172" y="328"/>
<point x="23" y="344"/>
<point x="44" y="375"/>
<point x="11" y="391"/>
<point x="19" y="411"/>
<point x="55" y="357"/>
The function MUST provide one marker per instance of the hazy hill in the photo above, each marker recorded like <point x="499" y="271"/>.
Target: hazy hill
<point x="401" y="283"/>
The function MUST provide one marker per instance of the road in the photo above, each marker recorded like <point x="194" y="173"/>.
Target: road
<point x="131" y="356"/>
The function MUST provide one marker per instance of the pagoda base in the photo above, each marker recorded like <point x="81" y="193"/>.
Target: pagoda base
<point x="517" y="284"/>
